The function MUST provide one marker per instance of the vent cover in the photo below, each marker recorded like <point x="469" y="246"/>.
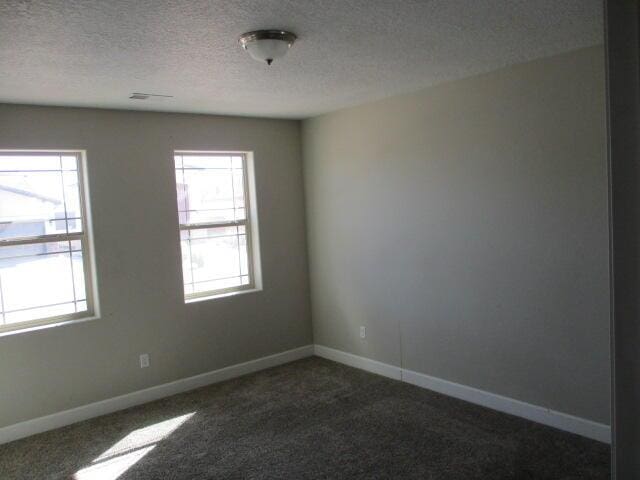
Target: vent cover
<point x="147" y="96"/>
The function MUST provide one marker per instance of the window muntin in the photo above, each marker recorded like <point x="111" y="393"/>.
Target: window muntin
<point x="215" y="229"/>
<point x="45" y="274"/>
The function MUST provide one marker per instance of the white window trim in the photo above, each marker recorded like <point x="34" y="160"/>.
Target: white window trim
<point x="86" y="239"/>
<point x="250" y="224"/>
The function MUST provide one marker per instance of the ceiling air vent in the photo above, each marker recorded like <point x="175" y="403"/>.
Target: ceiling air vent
<point x="147" y="96"/>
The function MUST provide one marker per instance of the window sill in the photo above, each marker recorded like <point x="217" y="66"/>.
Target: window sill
<point x="222" y="295"/>
<point x="43" y="326"/>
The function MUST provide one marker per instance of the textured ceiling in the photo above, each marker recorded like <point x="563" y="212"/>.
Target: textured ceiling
<point x="97" y="52"/>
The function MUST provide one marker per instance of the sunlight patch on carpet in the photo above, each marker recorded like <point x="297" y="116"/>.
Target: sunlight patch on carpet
<point x="130" y="450"/>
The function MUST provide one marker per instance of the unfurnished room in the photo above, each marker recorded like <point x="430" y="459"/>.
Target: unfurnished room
<point x="319" y="239"/>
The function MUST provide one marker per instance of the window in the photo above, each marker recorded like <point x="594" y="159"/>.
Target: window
<point x="215" y="225"/>
<point x="45" y="273"/>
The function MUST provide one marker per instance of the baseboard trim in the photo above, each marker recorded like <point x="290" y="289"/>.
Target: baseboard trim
<point x="103" y="407"/>
<point x="356" y="361"/>
<point x="545" y="416"/>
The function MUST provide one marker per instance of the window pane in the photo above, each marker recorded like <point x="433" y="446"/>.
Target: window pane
<point x="22" y="162"/>
<point x="40" y="195"/>
<point x="182" y="192"/>
<point x="71" y="194"/>
<point x="186" y="262"/>
<point x="238" y="188"/>
<point x="74" y="225"/>
<point x="212" y="255"/>
<point x="31" y="196"/>
<point x="78" y="275"/>
<point x="41" y="278"/>
<point x="209" y="195"/>
<point x="236" y="162"/>
<point x="242" y="239"/>
<point x="211" y="189"/>
<point x="241" y="214"/>
<point x="69" y="162"/>
<point x="35" y="193"/>
<point x="214" y="258"/>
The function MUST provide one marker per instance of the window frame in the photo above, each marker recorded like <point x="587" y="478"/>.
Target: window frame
<point x="248" y="223"/>
<point x="85" y="237"/>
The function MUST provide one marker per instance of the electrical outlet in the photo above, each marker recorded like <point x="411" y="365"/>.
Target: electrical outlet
<point x="144" y="360"/>
<point x="363" y="332"/>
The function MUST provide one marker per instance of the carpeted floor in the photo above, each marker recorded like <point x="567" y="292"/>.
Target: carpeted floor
<point x="311" y="419"/>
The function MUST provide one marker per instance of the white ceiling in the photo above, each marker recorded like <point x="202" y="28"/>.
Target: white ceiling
<point x="97" y="52"/>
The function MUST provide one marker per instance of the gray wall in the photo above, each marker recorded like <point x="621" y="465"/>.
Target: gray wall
<point x="133" y="201"/>
<point x="466" y="227"/>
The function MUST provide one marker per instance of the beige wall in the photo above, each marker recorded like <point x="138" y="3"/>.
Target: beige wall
<point x="466" y="227"/>
<point x="132" y="191"/>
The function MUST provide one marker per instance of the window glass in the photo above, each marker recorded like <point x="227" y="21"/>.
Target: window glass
<point x="213" y="217"/>
<point x="43" y="244"/>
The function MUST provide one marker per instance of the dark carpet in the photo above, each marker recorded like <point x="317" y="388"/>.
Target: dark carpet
<point x="308" y="419"/>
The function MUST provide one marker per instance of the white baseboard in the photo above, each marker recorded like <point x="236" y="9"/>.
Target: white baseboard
<point x="356" y="361"/>
<point x="67" y="417"/>
<point x="562" y="421"/>
<point x="546" y="416"/>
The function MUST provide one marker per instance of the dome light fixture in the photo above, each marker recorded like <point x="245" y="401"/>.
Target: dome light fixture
<point x="267" y="45"/>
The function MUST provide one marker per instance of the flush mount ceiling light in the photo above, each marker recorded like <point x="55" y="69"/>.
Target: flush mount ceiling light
<point x="267" y="45"/>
